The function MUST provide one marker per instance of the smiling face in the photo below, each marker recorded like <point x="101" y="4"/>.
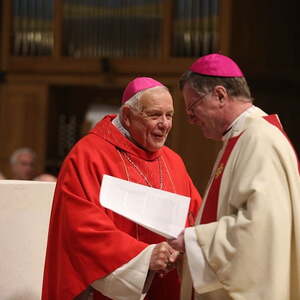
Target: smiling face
<point x="149" y="126"/>
<point x="206" y="111"/>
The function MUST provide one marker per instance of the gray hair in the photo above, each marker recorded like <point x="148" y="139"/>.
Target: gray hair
<point x="16" y="153"/>
<point x="203" y="84"/>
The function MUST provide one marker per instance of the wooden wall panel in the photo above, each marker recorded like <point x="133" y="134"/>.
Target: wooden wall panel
<point x="264" y="37"/>
<point x="23" y="120"/>
<point x="265" y="45"/>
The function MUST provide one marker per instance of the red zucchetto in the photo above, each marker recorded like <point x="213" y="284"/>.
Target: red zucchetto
<point x="137" y="85"/>
<point x="216" y="65"/>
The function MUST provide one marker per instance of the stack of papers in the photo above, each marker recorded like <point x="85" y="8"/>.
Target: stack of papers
<point x="162" y="212"/>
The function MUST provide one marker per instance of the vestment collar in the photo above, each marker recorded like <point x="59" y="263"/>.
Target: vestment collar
<point x="239" y="123"/>
<point x="106" y="130"/>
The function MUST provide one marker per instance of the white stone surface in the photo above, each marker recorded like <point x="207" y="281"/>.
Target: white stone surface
<point x="24" y="218"/>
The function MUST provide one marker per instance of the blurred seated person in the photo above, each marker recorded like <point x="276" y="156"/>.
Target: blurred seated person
<point x="22" y="163"/>
<point x="1" y="176"/>
<point x="45" y="177"/>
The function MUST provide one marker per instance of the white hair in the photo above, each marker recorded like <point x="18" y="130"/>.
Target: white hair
<point x="134" y="101"/>
<point x="16" y="153"/>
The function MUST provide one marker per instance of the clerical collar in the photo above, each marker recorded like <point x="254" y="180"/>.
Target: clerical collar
<point x="239" y="119"/>
<point x="227" y="130"/>
<point x="117" y="123"/>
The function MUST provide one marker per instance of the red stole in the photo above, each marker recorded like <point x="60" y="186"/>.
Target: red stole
<point x="211" y="204"/>
<point x="273" y="119"/>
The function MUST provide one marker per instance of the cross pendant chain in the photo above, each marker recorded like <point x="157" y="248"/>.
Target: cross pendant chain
<point x="142" y="174"/>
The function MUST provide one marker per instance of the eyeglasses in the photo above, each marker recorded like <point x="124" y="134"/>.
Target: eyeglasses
<point x="193" y="104"/>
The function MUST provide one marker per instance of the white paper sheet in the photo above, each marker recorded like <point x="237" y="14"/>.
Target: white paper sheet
<point x="162" y="212"/>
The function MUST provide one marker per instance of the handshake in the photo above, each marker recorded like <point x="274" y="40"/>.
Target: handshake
<point x="165" y="254"/>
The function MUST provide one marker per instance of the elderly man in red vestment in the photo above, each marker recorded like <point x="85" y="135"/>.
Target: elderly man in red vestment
<point x="93" y="248"/>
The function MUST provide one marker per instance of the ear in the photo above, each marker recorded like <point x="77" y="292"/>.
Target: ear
<point x="221" y="93"/>
<point x="126" y="116"/>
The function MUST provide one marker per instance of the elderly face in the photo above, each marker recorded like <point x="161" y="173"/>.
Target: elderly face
<point x="23" y="168"/>
<point x="150" y="126"/>
<point x="204" y="111"/>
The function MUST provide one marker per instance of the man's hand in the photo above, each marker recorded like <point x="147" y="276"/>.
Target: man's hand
<point x="163" y="257"/>
<point x="178" y="243"/>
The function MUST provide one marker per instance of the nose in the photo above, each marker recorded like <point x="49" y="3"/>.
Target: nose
<point x="163" y="122"/>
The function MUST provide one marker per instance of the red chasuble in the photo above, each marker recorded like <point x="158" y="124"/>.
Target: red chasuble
<point x="86" y="241"/>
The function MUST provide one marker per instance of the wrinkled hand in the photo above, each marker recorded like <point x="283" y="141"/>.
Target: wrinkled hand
<point x="163" y="257"/>
<point x="178" y="243"/>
